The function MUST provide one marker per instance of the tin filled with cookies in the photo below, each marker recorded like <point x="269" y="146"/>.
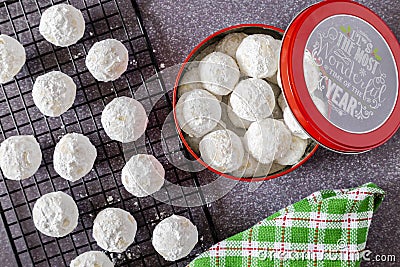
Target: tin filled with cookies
<point x="253" y="102"/>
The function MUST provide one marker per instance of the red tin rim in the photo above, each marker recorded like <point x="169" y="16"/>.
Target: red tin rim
<point x="174" y="101"/>
<point x="298" y="98"/>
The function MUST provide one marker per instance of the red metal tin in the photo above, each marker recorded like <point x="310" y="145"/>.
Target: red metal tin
<point x="295" y="90"/>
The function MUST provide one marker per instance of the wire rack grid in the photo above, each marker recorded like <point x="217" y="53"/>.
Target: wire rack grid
<point x="102" y="187"/>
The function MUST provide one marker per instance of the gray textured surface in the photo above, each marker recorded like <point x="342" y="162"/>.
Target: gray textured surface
<point x="176" y="27"/>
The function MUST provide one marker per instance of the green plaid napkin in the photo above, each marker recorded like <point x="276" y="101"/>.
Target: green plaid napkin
<point x="328" y="228"/>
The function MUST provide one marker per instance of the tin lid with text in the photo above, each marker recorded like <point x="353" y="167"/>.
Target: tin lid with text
<point x="340" y="76"/>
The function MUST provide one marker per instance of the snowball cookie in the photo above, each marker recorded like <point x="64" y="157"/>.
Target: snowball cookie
<point x="198" y="112"/>
<point x="12" y="58"/>
<point x="124" y="119"/>
<point x="253" y="99"/>
<point x="219" y="73"/>
<point x="55" y="214"/>
<point x="311" y="72"/>
<point x="20" y="157"/>
<point x="295" y="153"/>
<point x="174" y="237"/>
<point x="107" y="60"/>
<point x="258" y="56"/>
<point x="236" y="120"/>
<point x="230" y="43"/>
<point x="92" y="259"/>
<point x="267" y="140"/>
<point x="54" y="93"/>
<point x="293" y="125"/>
<point x="143" y="175"/>
<point x="251" y="168"/>
<point x="74" y="156"/>
<point x="114" y="229"/>
<point x="222" y="150"/>
<point x="62" y="25"/>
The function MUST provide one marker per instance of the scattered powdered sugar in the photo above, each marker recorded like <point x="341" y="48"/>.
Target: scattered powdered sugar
<point x="114" y="229"/>
<point x="110" y="199"/>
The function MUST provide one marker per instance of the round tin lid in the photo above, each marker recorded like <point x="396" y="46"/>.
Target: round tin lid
<point x="340" y="76"/>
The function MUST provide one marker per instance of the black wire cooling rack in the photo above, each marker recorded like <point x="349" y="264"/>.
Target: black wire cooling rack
<point x="102" y="187"/>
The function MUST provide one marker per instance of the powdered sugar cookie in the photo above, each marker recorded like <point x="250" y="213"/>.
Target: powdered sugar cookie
<point x="219" y="73"/>
<point x="295" y="153"/>
<point x="107" y="60"/>
<point x="311" y="72"/>
<point x="258" y="55"/>
<point x="236" y="120"/>
<point x="267" y="140"/>
<point x="174" y="237"/>
<point x="124" y="119"/>
<point x="222" y="150"/>
<point x="191" y="81"/>
<point x="252" y="99"/>
<point x="55" y="214"/>
<point x="12" y="58"/>
<point x="142" y="175"/>
<point x="74" y="156"/>
<point x="54" y="93"/>
<point x="198" y="112"/>
<point x="251" y="168"/>
<point x="92" y="259"/>
<point x="20" y="157"/>
<point x="293" y="125"/>
<point x="114" y="229"/>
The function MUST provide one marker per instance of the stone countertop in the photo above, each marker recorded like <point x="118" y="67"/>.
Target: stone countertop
<point x="176" y="27"/>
